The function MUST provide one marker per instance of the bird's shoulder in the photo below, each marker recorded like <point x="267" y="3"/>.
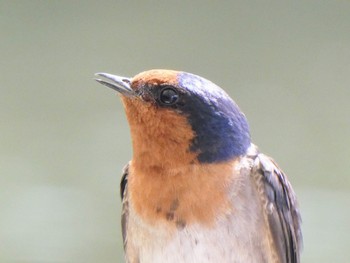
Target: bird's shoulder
<point x="280" y="205"/>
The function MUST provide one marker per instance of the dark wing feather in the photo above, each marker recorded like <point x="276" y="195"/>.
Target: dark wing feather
<point x="281" y="208"/>
<point x="125" y="204"/>
<point x="124" y="181"/>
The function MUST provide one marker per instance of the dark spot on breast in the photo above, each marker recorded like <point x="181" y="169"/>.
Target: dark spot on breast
<point x="156" y="168"/>
<point x="158" y="209"/>
<point x="196" y="241"/>
<point x="180" y="224"/>
<point x="174" y="205"/>
<point x="170" y="216"/>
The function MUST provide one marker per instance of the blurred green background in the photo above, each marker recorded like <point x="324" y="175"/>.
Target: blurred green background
<point x="64" y="139"/>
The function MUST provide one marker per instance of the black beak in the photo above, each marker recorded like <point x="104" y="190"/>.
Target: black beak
<point x="120" y="84"/>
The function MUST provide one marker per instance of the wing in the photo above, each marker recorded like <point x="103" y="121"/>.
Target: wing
<point x="125" y="204"/>
<point x="281" y="208"/>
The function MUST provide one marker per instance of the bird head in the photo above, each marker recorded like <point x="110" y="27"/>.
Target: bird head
<point x="180" y="117"/>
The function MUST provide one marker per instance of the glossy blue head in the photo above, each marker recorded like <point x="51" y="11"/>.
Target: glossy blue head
<point x="221" y="129"/>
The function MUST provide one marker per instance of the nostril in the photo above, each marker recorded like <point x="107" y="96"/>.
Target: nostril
<point x="126" y="81"/>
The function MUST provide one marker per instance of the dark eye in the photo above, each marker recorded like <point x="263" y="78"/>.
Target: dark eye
<point x="168" y="96"/>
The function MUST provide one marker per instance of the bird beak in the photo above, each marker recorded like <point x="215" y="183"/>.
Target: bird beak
<point x="120" y="84"/>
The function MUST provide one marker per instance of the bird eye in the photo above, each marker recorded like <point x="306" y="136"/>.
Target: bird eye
<point x="168" y="96"/>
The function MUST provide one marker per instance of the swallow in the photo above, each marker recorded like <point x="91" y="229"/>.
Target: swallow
<point x="197" y="189"/>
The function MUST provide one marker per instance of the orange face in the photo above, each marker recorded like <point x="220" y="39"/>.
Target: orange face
<point x="161" y="136"/>
<point x="181" y="115"/>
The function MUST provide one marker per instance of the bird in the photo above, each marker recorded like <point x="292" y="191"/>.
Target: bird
<point x="197" y="189"/>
